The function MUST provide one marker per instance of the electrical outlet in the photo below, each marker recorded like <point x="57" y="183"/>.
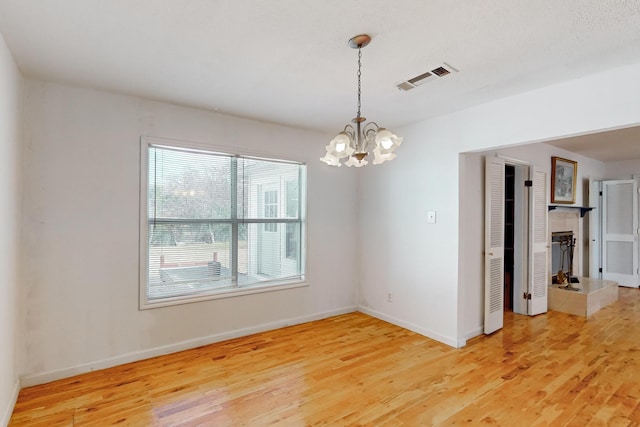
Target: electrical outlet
<point x="389" y="296"/>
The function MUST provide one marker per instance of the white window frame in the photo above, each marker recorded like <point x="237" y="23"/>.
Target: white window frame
<point x="232" y="291"/>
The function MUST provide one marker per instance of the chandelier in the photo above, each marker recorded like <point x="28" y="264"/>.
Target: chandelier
<point x="356" y="143"/>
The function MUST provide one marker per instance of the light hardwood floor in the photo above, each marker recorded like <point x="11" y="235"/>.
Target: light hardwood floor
<point x="550" y="370"/>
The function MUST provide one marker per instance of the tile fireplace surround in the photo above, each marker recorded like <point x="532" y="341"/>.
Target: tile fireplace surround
<point x="567" y="221"/>
<point x="593" y="294"/>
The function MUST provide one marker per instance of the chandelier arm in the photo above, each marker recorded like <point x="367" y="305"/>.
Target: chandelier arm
<point x="369" y="139"/>
<point x="368" y="135"/>
<point x="370" y="127"/>
<point x="349" y="130"/>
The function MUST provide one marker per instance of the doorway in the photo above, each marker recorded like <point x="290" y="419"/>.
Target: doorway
<point x="527" y="238"/>
<point x="509" y="211"/>
<point x="614" y="223"/>
<point x="515" y="236"/>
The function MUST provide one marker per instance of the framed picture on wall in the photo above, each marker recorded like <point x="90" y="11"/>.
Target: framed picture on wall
<point x="563" y="180"/>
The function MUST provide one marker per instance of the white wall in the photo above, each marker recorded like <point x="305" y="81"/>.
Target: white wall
<point x="80" y="178"/>
<point x="81" y="232"/>
<point x="472" y="231"/>
<point x="424" y="264"/>
<point x="400" y="252"/>
<point x="10" y="88"/>
<point x="623" y="169"/>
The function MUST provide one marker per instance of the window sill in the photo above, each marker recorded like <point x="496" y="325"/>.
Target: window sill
<point x="220" y="293"/>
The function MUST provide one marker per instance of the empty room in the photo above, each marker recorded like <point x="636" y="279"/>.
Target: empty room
<point x="292" y="213"/>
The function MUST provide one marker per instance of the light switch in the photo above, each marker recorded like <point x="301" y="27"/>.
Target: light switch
<point x="431" y="217"/>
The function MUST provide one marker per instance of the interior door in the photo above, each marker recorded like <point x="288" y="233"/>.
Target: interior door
<point x="620" y="231"/>
<point x="494" y="244"/>
<point x="538" y="243"/>
<point x="595" y="238"/>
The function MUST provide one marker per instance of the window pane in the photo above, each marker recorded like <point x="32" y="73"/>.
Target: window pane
<point x="262" y="185"/>
<point x="266" y="254"/>
<point x="293" y="241"/>
<point x="187" y="259"/>
<point x="188" y="185"/>
<point x="292" y="199"/>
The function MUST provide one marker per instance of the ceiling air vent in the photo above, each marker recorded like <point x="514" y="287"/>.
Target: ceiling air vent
<point x="405" y="86"/>
<point x="440" y="71"/>
<point x="423" y="78"/>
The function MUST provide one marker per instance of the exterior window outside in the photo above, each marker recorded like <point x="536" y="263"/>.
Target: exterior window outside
<point x="271" y="209"/>
<point x="218" y="223"/>
<point x="293" y="230"/>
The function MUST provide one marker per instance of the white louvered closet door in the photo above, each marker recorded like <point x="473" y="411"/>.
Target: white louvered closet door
<point x="494" y="245"/>
<point x="538" y="243"/>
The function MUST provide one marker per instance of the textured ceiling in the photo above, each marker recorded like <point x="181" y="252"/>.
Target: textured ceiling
<point x="621" y="144"/>
<point x="287" y="61"/>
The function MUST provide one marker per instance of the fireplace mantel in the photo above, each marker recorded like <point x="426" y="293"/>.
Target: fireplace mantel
<point x="583" y="209"/>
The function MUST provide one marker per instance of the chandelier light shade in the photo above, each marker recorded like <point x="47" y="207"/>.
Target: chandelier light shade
<point x="355" y="143"/>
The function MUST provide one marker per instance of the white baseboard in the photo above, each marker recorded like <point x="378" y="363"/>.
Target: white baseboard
<point x="455" y="343"/>
<point x="474" y="333"/>
<point x="45" y="377"/>
<point x="8" y="411"/>
<point x="628" y="286"/>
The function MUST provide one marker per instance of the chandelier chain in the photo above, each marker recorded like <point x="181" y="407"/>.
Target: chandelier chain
<point x="359" y="74"/>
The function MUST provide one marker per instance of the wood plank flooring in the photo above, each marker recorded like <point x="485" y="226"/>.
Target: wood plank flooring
<point x="554" y="369"/>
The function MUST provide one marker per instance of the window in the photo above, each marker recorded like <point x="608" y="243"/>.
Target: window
<point x="210" y="224"/>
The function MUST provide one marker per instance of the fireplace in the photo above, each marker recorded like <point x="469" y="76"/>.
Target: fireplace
<point x="566" y="248"/>
<point x="562" y="247"/>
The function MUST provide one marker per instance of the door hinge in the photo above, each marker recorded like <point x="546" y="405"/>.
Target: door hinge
<point x="601" y="194"/>
<point x="528" y="183"/>
<point x="526" y="295"/>
<point x="600" y="270"/>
